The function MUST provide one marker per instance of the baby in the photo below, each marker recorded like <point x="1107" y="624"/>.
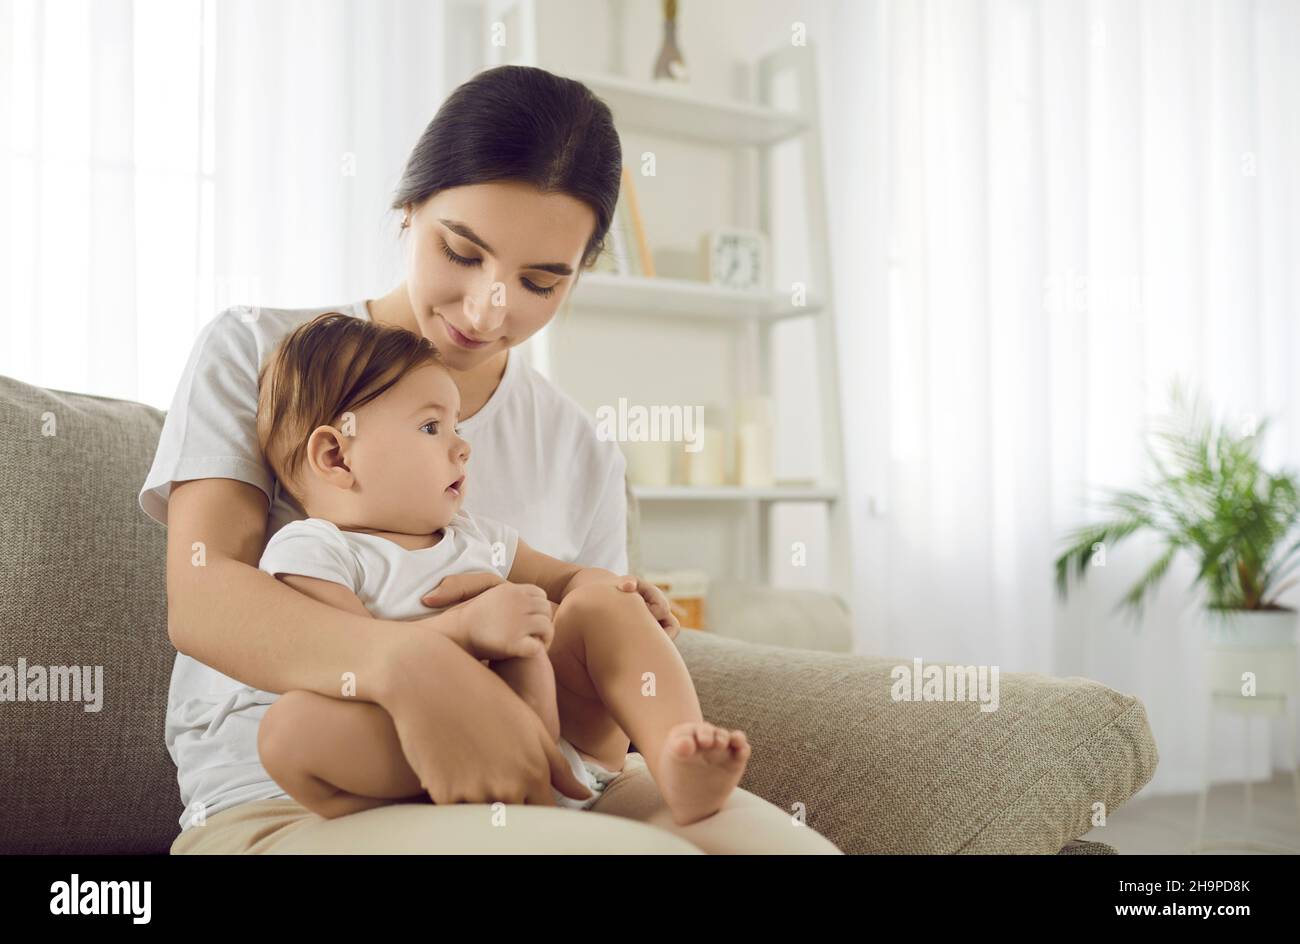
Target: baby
<point x="358" y="422"/>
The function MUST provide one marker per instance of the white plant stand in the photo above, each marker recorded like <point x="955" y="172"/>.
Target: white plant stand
<point x="1275" y="669"/>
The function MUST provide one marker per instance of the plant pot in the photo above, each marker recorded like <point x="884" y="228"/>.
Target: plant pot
<point x="1261" y="642"/>
<point x="1251" y="629"/>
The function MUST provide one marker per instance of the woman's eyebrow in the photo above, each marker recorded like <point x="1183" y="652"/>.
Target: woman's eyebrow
<point x="463" y="229"/>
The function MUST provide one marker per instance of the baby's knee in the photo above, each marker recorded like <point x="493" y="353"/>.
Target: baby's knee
<point x="603" y="605"/>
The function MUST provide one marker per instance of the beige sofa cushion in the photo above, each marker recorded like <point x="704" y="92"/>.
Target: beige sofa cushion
<point x="884" y="776"/>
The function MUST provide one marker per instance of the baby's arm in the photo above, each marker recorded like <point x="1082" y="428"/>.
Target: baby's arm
<point x="555" y="576"/>
<point x="558" y="579"/>
<point x="532" y="678"/>
<point x="327" y="591"/>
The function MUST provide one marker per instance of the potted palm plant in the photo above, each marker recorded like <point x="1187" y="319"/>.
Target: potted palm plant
<point x="1211" y="499"/>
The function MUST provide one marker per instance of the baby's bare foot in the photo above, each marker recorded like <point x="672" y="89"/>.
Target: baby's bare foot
<point x="699" y="767"/>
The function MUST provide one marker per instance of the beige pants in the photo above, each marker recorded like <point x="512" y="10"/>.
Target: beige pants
<point x="634" y="820"/>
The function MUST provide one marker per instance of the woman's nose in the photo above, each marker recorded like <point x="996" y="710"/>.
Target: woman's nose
<point x="483" y="311"/>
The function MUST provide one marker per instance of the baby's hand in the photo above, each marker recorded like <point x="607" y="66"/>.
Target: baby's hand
<point x="506" y="621"/>
<point x="657" y="602"/>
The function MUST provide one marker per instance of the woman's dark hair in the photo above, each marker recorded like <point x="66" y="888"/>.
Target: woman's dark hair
<point x="526" y="124"/>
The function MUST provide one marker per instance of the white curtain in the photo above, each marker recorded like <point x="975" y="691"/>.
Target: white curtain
<point x="162" y="159"/>
<point x="1043" y="212"/>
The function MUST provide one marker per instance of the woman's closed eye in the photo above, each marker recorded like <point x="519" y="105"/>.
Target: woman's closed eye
<point x="476" y="261"/>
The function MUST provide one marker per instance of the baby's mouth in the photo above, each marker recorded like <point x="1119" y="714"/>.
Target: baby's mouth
<point x="457" y="486"/>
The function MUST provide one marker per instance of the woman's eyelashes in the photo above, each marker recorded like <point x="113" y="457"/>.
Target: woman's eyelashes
<point x="470" y="263"/>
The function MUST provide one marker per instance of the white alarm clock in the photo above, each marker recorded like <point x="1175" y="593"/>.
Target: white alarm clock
<point x="736" y="258"/>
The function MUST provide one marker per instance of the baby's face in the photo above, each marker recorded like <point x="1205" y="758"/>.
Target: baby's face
<point x="409" y="462"/>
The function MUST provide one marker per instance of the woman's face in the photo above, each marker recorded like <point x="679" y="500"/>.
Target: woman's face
<point x="489" y="264"/>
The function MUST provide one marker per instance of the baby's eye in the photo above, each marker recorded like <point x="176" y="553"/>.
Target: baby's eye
<point x="434" y="424"/>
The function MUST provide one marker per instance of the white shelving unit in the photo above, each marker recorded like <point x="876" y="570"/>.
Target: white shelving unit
<point x="681" y="298"/>
<point x="680" y="113"/>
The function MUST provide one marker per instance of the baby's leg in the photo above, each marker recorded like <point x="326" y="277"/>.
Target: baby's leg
<point x="334" y="756"/>
<point x="618" y="675"/>
<point x="533" y="680"/>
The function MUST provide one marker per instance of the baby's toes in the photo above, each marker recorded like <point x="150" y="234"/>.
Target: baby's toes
<point x="719" y="749"/>
<point x="740" y="748"/>
<point x="735" y="750"/>
<point x="700" y="734"/>
<point x="683" y="740"/>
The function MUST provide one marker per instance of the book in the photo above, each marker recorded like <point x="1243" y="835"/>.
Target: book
<point x="643" y="256"/>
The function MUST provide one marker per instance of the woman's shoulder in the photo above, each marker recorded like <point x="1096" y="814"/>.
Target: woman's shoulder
<point x="572" y="427"/>
<point x="254" y="331"/>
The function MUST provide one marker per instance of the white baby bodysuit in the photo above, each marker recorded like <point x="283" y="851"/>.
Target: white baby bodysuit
<point x="389" y="579"/>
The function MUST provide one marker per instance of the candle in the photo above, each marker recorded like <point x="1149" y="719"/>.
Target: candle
<point x="707" y="466"/>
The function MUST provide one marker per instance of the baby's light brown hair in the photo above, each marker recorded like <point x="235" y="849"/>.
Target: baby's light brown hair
<point x="322" y="370"/>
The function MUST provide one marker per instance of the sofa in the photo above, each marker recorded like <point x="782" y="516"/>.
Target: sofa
<point x="82" y="583"/>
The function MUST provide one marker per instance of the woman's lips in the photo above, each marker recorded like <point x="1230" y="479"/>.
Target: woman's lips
<point x="462" y="340"/>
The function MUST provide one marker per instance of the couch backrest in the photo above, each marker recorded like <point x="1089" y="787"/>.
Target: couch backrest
<point x="82" y="590"/>
<point x="83" y="586"/>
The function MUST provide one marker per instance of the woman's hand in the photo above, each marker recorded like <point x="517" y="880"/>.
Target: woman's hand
<point x="466" y="735"/>
<point x="657" y="601"/>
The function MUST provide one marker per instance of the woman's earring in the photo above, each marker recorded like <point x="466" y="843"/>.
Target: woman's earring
<point x="406" y="222"/>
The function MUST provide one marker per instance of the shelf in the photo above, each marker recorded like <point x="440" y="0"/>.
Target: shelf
<point x="745" y="138"/>
<point x="685" y="299"/>
<point x="713" y="493"/>
<point x="677" y="110"/>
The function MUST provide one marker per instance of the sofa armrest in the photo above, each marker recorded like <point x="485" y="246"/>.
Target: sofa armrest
<point x="797" y="619"/>
<point x="875" y="775"/>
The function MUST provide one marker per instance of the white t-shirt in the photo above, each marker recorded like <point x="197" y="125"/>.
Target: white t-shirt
<point x="537" y="465"/>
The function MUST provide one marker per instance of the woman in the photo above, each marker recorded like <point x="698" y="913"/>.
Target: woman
<point x="506" y="197"/>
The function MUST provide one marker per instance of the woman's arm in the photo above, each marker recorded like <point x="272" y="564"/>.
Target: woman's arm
<point x="241" y="621"/>
<point x="226" y="613"/>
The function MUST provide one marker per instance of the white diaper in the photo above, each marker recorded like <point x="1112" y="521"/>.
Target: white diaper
<point x="589" y="773"/>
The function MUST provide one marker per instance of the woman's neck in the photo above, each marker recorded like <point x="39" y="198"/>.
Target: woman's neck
<point x="476" y="385"/>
